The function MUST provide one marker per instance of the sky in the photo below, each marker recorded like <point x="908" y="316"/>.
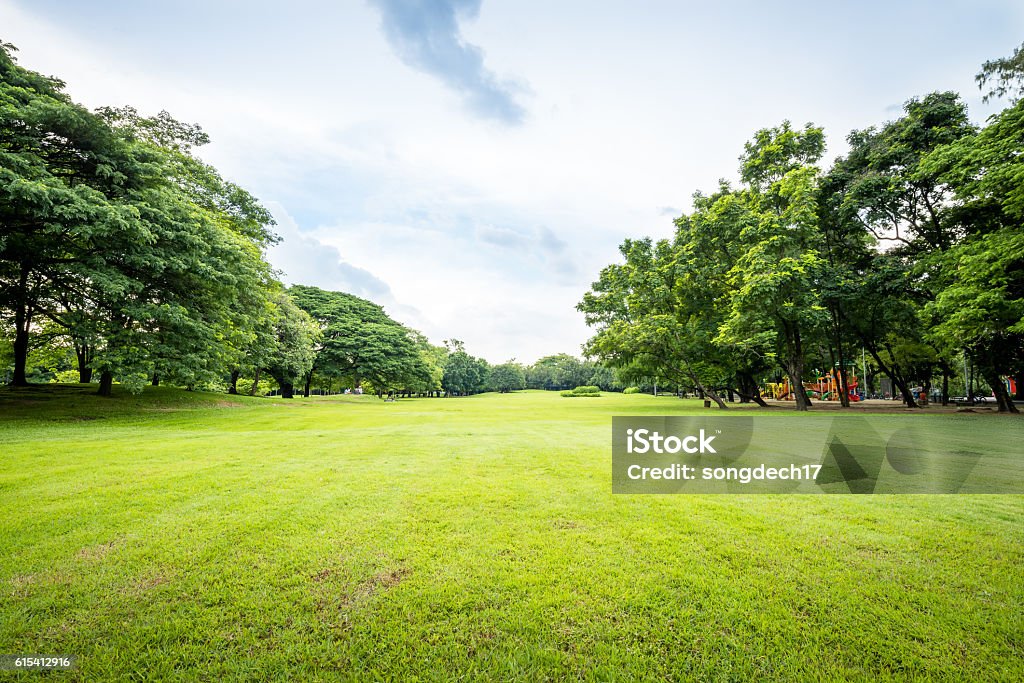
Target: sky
<point x="471" y="165"/>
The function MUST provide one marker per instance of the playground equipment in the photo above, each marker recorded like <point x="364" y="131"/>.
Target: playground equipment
<point x="829" y="386"/>
<point x="826" y="388"/>
<point x="779" y="390"/>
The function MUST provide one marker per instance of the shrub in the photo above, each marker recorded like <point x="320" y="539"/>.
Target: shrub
<point x="587" y="391"/>
<point x="631" y="390"/>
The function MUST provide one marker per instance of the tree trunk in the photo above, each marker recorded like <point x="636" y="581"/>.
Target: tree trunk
<point x="233" y="384"/>
<point x="83" y="352"/>
<point x="309" y="383"/>
<point x="945" y="384"/>
<point x="1003" y="399"/>
<point x="794" y="366"/>
<point x="704" y="391"/>
<point x="22" y="323"/>
<point x="255" y="383"/>
<point x="742" y="391"/>
<point x="969" y="389"/>
<point x="106" y="383"/>
<point x="795" y="374"/>
<point x="20" y="357"/>
<point x="898" y="381"/>
<point x="156" y="380"/>
<point x="287" y="390"/>
<point x="844" y="386"/>
<point x="844" y="383"/>
<point x="749" y="390"/>
<point x="1019" y="381"/>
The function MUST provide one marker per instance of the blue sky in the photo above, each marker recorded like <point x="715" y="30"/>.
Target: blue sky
<point x="472" y="164"/>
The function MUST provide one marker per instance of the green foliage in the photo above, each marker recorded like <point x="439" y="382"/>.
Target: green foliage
<point x="560" y="371"/>
<point x="463" y="374"/>
<point x="734" y="289"/>
<point x="148" y="260"/>
<point x="506" y="377"/>
<point x="1006" y="76"/>
<point x="361" y="343"/>
<point x="631" y="390"/>
<point x="296" y="336"/>
<point x="582" y="392"/>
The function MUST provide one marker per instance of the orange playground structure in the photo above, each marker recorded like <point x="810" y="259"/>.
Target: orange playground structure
<point x="826" y="388"/>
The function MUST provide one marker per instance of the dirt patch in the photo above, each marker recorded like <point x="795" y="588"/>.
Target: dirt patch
<point x="96" y="552"/>
<point x="386" y="579"/>
<point x="21" y="583"/>
<point x="323" y="575"/>
<point x="148" y="583"/>
<point x="565" y="524"/>
<point x="334" y="606"/>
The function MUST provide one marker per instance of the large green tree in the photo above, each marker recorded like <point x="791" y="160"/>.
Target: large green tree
<point x="64" y="180"/>
<point x="779" y="263"/>
<point x="361" y="343"/>
<point x="506" y="377"/>
<point x="978" y="283"/>
<point x="113" y="230"/>
<point x="463" y="374"/>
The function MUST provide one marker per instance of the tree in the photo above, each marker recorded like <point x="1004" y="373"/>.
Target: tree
<point x="1006" y="76"/>
<point x="63" y="176"/>
<point x="296" y="336"/>
<point x="884" y="192"/>
<point x="979" y="282"/>
<point x="707" y="244"/>
<point x="775" y="280"/>
<point x="506" y="377"/>
<point x="645" y="327"/>
<point x="359" y="342"/>
<point x="113" y="231"/>
<point x="463" y="374"/>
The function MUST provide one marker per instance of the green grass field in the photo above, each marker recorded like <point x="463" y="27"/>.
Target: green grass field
<point x="178" y="536"/>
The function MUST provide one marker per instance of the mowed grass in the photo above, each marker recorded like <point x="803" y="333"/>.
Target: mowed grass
<point x="178" y="536"/>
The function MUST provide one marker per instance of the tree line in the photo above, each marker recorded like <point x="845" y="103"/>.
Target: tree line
<point x="908" y="250"/>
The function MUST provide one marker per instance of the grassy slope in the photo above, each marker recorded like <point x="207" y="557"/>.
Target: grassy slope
<point x="179" y="537"/>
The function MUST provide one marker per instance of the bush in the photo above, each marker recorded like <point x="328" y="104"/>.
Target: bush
<point x="245" y="384"/>
<point x="631" y="390"/>
<point x="587" y="391"/>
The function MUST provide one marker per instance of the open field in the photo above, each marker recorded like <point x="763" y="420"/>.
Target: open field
<point x="179" y="536"/>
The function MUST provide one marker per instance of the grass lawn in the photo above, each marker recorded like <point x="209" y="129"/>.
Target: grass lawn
<point x="179" y="536"/>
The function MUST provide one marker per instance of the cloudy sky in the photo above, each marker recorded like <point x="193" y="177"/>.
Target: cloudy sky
<point x="471" y="165"/>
